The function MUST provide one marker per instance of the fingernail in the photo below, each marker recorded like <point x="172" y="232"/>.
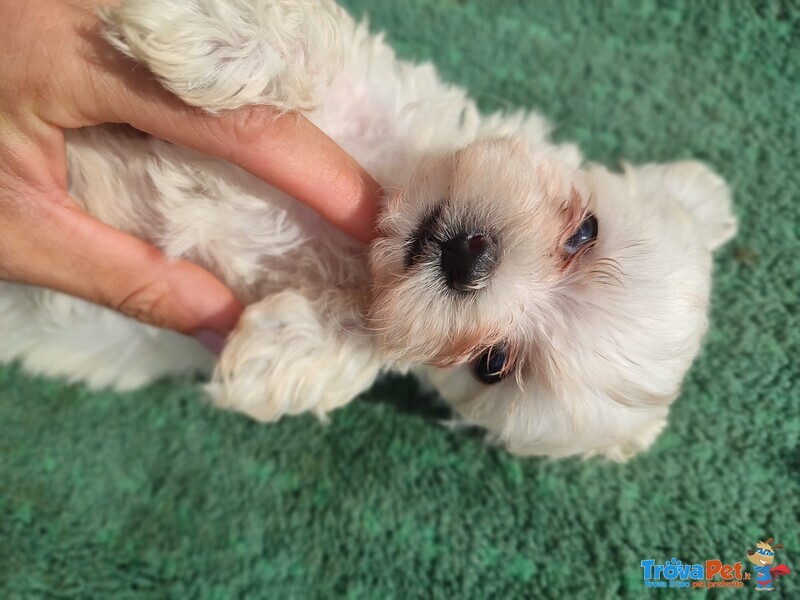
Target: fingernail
<point x="213" y="340"/>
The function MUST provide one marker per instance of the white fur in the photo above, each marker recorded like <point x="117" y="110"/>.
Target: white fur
<point x="602" y="345"/>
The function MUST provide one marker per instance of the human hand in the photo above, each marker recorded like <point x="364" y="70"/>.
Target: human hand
<point x="56" y="75"/>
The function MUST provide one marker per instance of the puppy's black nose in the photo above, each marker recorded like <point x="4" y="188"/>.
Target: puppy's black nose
<point x="468" y="261"/>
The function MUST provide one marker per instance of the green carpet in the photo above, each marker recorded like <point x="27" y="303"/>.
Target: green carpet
<point x="155" y="494"/>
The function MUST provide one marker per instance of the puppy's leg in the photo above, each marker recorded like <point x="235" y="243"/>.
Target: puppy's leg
<point x="54" y="334"/>
<point x="224" y="54"/>
<point x="291" y="354"/>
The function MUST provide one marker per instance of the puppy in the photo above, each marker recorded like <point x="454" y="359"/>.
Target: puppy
<point x="554" y="304"/>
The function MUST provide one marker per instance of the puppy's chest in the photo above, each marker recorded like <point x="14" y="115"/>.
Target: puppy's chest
<point x="365" y="123"/>
<point x="389" y="122"/>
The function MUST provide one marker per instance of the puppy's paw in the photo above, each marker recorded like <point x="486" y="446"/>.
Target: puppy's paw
<point x="287" y="357"/>
<point x="224" y="54"/>
<point x="640" y="440"/>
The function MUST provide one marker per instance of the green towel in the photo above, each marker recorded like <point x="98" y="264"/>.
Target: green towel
<point x="156" y="494"/>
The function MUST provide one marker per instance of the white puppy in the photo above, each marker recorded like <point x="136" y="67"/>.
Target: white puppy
<point x="556" y="305"/>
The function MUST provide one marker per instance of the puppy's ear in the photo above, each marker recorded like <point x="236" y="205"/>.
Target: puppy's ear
<point x="700" y="191"/>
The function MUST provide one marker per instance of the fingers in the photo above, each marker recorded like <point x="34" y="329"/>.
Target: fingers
<point x="291" y="154"/>
<point x="287" y="150"/>
<point x="56" y="244"/>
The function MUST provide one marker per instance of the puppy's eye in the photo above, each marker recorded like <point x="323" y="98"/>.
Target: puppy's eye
<point x="585" y="234"/>
<point x="490" y="366"/>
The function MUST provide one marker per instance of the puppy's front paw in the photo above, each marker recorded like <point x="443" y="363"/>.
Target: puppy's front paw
<point x="224" y="54"/>
<point x="288" y="356"/>
<point x="640" y="439"/>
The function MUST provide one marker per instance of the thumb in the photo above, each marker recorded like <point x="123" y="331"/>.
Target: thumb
<point x="66" y="249"/>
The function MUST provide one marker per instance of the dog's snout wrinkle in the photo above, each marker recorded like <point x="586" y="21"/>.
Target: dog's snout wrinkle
<point x="422" y="236"/>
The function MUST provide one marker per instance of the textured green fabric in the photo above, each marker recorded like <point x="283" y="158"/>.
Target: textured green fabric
<point x="155" y="494"/>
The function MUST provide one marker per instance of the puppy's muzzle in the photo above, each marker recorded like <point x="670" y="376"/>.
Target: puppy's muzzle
<point x="468" y="261"/>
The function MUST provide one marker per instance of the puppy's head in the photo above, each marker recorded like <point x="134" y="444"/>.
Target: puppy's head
<point x="558" y="308"/>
